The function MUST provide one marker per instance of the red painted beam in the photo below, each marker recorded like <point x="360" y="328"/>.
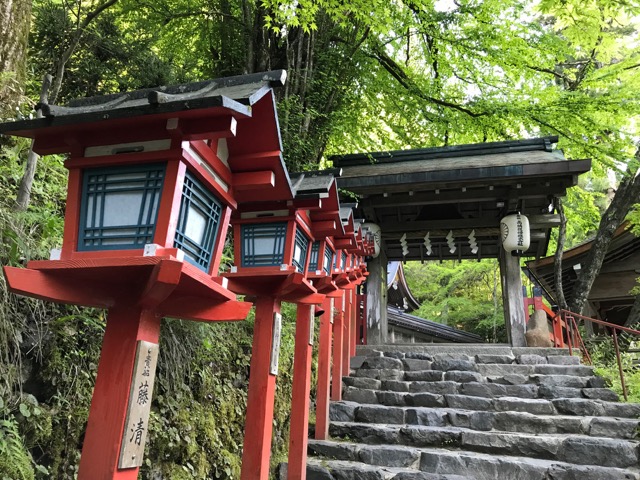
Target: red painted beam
<point x="299" y="429"/>
<point x="163" y="280"/>
<point x="306" y="204"/>
<point x="256" y="452"/>
<point x="204" y="310"/>
<point x="206" y="152"/>
<point x="205" y="128"/>
<point x="107" y="415"/>
<point x="324" y="371"/>
<point x="56" y="288"/>
<point x="344" y="243"/>
<point x="322" y="228"/>
<point x="253" y="180"/>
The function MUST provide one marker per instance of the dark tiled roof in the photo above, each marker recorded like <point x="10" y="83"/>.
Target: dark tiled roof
<point x="432" y="329"/>
<point x="313" y="184"/>
<point x="473" y="149"/>
<point x="235" y="93"/>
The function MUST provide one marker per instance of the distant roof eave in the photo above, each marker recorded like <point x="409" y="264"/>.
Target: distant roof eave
<point x="348" y="160"/>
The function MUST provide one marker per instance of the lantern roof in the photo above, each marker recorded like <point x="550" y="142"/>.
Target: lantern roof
<point x="239" y="113"/>
<point x="314" y="191"/>
<point x="346" y="215"/>
<point x="326" y="220"/>
<point x="236" y="94"/>
<point x="316" y="184"/>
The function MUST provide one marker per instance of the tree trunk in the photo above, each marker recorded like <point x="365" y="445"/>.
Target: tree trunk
<point x="24" y="192"/>
<point x="627" y="194"/>
<point x="15" y="21"/>
<point x="557" y="260"/>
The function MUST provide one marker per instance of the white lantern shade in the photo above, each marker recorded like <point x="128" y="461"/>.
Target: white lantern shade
<point x="514" y="230"/>
<point x="377" y="237"/>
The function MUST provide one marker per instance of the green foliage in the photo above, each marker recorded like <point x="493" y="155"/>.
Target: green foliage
<point x="15" y="462"/>
<point x="602" y="352"/>
<point x="113" y="56"/>
<point x="464" y="295"/>
<point x="634" y="218"/>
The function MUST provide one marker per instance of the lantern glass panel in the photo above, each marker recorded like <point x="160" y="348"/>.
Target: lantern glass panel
<point x="119" y="207"/>
<point x="344" y="261"/>
<point x="263" y="244"/>
<point x="328" y="257"/>
<point x="198" y="223"/>
<point x="300" y="250"/>
<point x="313" y="260"/>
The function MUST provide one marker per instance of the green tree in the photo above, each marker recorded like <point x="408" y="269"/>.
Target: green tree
<point x="465" y="295"/>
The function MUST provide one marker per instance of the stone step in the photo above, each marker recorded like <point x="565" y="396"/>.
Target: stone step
<point x="325" y="469"/>
<point x="458" y="349"/>
<point x="539" y="406"/>
<point x="462" y="383"/>
<point x="567" y="381"/>
<point x="552" y="380"/>
<point x="524" y="422"/>
<point x="481" y="466"/>
<point x="574" y="448"/>
<point x="394" y="366"/>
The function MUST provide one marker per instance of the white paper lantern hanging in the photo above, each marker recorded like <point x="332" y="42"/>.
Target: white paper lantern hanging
<point x="516" y="237"/>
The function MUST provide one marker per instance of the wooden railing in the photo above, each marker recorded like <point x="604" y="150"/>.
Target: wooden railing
<point x="566" y="333"/>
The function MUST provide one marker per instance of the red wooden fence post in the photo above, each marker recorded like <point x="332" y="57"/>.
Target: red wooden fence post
<point x="338" y="331"/>
<point x="355" y="334"/>
<point x="346" y="328"/>
<point x="324" y="371"/>
<point x="256" y="452"/>
<point x="299" y="430"/>
<point x="105" y="429"/>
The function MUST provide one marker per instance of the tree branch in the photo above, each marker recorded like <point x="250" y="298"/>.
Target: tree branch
<point x="73" y="44"/>
<point x="403" y="79"/>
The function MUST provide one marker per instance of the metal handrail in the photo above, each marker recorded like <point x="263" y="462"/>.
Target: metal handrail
<point x="574" y="339"/>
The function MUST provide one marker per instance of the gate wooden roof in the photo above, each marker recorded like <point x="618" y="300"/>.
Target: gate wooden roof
<point x="610" y="296"/>
<point x="459" y="189"/>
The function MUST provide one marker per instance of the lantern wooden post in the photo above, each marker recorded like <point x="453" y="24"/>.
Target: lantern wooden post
<point x="106" y="426"/>
<point x="354" y="320"/>
<point x="338" y="336"/>
<point x="274" y="240"/>
<point x="347" y="330"/>
<point x="299" y="431"/>
<point x="256" y="452"/>
<point x="324" y="371"/>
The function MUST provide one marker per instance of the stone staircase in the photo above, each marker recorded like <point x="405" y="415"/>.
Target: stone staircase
<point x="481" y="413"/>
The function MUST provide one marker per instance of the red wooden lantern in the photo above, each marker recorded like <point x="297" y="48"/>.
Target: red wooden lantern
<point x="272" y="247"/>
<point x="325" y="222"/>
<point x="153" y="178"/>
